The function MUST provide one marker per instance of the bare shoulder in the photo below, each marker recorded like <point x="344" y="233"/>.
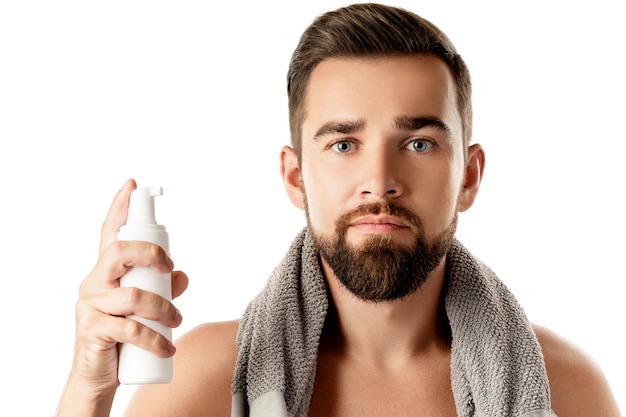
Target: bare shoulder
<point x="577" y="384"/>
<point x="203" y="369"/>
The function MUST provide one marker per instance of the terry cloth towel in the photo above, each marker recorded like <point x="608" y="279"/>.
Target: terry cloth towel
<point x="497" y="367"/>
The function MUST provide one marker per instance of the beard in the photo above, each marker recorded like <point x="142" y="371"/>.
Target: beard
<point x="380" y="269"/>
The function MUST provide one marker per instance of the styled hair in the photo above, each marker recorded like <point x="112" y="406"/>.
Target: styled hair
<point x="371" y="31"/>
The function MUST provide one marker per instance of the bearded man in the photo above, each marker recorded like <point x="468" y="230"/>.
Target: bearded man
<point x="376" y="309"/>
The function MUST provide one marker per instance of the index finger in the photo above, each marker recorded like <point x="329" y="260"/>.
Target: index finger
<point x="117" y="215"/>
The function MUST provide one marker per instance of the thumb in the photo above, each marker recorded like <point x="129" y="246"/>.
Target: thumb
<point x="117" y="215"/>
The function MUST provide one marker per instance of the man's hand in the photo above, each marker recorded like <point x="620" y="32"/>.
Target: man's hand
<point x="101" y="309"/>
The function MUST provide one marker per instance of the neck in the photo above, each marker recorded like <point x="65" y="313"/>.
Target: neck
<point x="390" y="332"/>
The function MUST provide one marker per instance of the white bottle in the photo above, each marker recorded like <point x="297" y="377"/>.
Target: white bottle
<point x="136" y="365"/>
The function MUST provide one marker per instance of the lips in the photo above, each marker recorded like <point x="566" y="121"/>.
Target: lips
<point x="377" y="220"/>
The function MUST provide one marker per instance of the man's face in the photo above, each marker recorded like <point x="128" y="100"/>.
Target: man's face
<point x="382" y="167"/>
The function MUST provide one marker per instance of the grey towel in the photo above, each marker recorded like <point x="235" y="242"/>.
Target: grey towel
<point x="497" y="364"/>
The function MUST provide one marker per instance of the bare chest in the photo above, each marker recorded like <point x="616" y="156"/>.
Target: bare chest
<point x="345" y="389"/>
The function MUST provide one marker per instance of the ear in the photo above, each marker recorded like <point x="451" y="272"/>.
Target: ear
<point x="292" y="178"/>
<point x="473" y="176"/>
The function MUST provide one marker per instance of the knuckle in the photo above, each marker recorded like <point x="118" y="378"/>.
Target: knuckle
<point x="132" y="329"/>
<point x="155" y="251"/>
<point x="82" y="289"/>
<point x="82" y="324"/>
<point x="156" y="339"/>
<point x="157" y="307"/>
<point x="115" y="248"/>
<point x="133" y="295"/>
<point x="79" y="307"/>
<point x="86" y="320"/>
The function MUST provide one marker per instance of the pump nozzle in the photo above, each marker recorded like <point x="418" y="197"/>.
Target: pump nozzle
<point x="141" y="209"/>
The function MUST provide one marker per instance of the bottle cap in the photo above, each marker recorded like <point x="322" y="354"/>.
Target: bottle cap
<point x="141" y="209"/>
<point x="141" y="222"/>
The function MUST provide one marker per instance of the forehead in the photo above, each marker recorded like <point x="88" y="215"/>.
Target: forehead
<point x="380" y="90"/>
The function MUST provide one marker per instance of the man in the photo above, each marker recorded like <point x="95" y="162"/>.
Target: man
<point x="376" y="309"/>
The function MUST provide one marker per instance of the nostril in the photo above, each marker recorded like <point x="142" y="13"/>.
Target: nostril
<point x="388" y="192"/>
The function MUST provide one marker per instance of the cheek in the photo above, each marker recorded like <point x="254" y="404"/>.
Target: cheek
<point x="447" y="210"/>
<point x="328" y="193"/>
<point x="441" y="203"/>
<point x="318" y="203"/>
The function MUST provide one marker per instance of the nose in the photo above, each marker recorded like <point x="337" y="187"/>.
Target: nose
<point x="381" y="175"/>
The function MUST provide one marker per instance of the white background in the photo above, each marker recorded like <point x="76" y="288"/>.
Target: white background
<point x="190" y="96"/>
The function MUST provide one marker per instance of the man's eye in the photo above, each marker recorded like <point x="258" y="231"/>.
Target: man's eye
<point x="342" y="146"/>
<point x="419" y="145"/>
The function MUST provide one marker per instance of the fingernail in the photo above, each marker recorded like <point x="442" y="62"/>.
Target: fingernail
<point x="171" y="349"/>
<point x="169" y="262"/>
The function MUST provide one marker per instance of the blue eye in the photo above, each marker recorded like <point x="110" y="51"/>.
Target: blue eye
<point x="343" y="146"/>
<point x="419" y="145"/>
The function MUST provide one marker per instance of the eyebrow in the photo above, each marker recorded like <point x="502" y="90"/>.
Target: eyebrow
<point x="416" y="123"/>
<point x="344" y="127"/>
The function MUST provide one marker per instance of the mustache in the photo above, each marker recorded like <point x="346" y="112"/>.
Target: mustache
<point x="412" y="220"/>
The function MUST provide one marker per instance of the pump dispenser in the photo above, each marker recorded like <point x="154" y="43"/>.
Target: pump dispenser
<point x="136" y="365"/>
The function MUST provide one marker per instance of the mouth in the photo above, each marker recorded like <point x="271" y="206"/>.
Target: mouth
<point x="379" y="224"/>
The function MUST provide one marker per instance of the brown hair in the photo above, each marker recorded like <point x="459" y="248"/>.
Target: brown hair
<point x="371" y="30"/>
